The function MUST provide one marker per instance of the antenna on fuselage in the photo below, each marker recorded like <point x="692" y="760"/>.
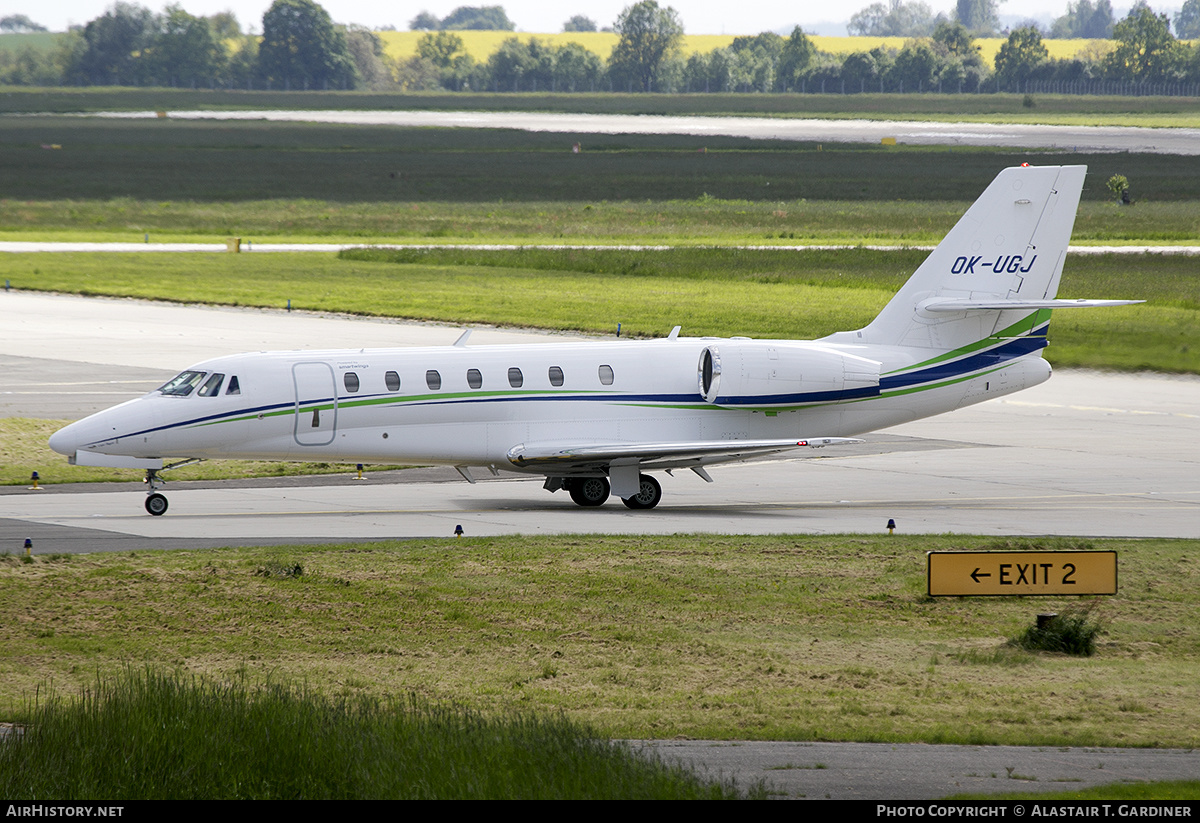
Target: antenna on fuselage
<point x="461" y="342"/>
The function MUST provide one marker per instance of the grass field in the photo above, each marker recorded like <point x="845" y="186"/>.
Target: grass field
<point x="780" y="294"/>
<point x="121" y="180"/>
<point x="801" y="638"/>
<point x="147" y="735"/>
<point x="224" y="161"/>
<point x="700" y="221"/>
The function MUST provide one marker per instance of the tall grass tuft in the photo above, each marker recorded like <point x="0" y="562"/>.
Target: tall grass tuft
<point x="1073" y="632"/>
<point x="163" y="736"/>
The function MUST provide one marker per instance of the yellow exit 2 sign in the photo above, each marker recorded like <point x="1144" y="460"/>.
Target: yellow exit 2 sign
<point x="992" y="574"/>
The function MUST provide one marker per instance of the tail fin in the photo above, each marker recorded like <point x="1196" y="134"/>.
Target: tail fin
<point x="995" y="274"/>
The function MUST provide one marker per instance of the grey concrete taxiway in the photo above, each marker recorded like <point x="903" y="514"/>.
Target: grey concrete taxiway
<point x="1029" y="136"/>
<point x="915" y="771"/>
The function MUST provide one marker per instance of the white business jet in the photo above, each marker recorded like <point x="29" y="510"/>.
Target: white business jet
<point x="595" y="418"/>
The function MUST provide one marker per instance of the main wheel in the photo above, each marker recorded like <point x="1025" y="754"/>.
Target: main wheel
<point x="156" y="504"/>
<point x="589" y="491"/>
<point x="649" y="493"/>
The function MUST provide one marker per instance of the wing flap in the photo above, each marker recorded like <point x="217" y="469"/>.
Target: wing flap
<point x="569" y="457"/>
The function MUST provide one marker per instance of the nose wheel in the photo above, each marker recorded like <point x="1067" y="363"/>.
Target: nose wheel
<point x="156" y="504"/>
<point x="156" y="501"/>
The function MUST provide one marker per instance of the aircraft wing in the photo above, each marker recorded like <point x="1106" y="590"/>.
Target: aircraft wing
<point x="570" y="458"/>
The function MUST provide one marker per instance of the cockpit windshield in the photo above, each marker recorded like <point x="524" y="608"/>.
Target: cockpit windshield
<point x="184" y="384"/>
<point x="212" y="386"/>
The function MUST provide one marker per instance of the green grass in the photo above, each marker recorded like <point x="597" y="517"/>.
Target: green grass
<point x="147" y="735"/>
<point x="780" y="294"/>
<point x="254" y="161"/>
<point x="1073" y="632"/>
<point x="1187" y="790"/>
<point x="700" y="221"/>
<point x="23" y="450"/>
<point x="771" y="638"/>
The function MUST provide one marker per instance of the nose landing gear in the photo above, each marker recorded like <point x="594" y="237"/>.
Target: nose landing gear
<point x="156" y="501"/>
<point x="156" y="504"/>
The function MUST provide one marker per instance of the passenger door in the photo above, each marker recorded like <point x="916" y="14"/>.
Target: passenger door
<point x="316" y="404"/>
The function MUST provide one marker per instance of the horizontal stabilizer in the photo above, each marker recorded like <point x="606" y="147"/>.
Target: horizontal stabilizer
<point x="547" y="456"/>
<point x="953" y="304"/>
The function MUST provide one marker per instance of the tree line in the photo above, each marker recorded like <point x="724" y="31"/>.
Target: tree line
<point x="301" y="48"/>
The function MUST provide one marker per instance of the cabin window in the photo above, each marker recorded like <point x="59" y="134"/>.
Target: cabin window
<point x="515" y="378"/>
<point x="474" y="378"/>
<point x="184" y="384"/>
<point x="350" y="379"/>
<point x="433" y="379"/>
<point x="606" y="375"/>
<point x="212" y="386"/>
<point x="392" y="381"/>
<point x="234" y="388"/>
<point x="556" y="376"/>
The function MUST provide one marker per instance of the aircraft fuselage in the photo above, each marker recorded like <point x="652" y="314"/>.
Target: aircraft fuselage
<point x="463" y="405"/>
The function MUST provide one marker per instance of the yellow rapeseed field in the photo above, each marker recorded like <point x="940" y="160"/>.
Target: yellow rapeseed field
<point x="481" y="44"/>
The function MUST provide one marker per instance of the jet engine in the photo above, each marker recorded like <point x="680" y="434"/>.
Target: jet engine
<point x="738" y="373"/>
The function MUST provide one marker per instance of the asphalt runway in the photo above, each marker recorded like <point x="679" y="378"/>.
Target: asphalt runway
<point x="1066" y="138"/>
<point x="1083" y="454"/>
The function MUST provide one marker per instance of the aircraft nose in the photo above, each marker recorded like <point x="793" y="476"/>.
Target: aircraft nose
<point x="66" y="440"/>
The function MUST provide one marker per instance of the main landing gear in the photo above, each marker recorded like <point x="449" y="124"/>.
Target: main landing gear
<point x="594" y="491"/>
<point x="649" y="493"/>
<point x="588" y="491"/>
